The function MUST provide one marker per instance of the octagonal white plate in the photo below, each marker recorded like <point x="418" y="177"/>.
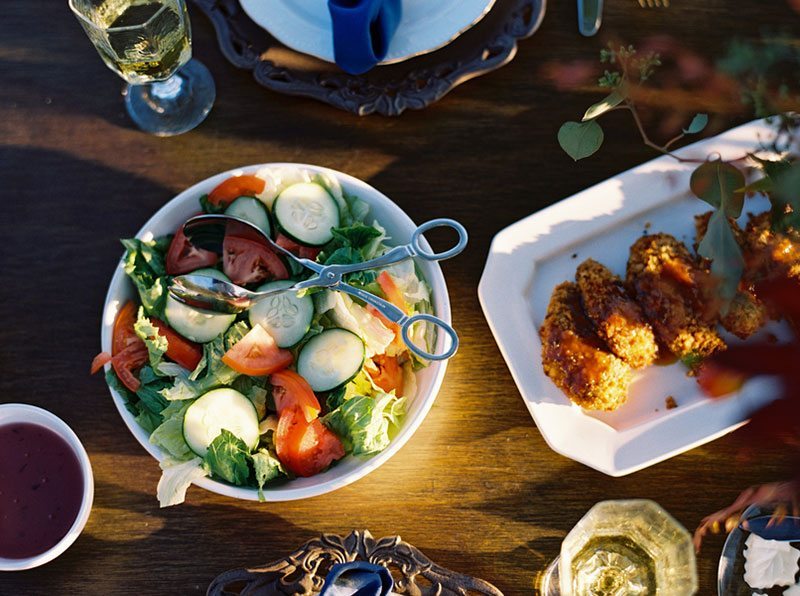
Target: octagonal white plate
<point x="305" y="25"/>
<point x="529" y="258"/>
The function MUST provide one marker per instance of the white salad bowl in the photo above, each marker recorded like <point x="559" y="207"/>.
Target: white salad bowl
<point x="400" y="228"/>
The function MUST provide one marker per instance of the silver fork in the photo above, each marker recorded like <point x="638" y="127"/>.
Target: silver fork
<point x="654" y="3"/>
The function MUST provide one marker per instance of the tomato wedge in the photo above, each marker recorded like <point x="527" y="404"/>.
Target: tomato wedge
<point x="290" y="390"/>
<point x="305" y="448"/>
<point x="235" y="187"/>
<point x="123" y="334"/>
<point x="127" y="361"/>
<point x="391" y="291"/>
<point x="304" y="252"/>
<point x="100" y="361"/>
<point x="257" y="354"/>
<point x="245" y="261"/>
<point x="179" y="349"/>
<point x="183" y="257"/>
<point x="386" y="373"/>
<point x="129" y="352"/>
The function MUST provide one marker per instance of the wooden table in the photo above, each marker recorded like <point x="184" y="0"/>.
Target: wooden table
<point x="477" y="489"/>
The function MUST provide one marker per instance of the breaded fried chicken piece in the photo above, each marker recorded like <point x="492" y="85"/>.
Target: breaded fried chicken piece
<point x="770" y="254"/>
<point x="619" y="321"/>
<point x="746" y="313"/>
<point x="664" y="278"/>
<point x="576" y="359"/>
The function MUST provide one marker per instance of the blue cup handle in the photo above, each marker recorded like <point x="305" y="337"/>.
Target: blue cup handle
<point x="362" y="30"/>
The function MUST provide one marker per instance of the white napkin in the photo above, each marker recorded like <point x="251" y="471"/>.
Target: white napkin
<point x="769" y="563"/>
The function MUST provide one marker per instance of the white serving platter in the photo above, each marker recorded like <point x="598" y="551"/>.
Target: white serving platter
<point x="425" y="26"/>
<point x="529" y="258"/>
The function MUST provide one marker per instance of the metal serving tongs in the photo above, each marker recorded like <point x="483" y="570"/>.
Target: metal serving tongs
<point x="208" y="232"/>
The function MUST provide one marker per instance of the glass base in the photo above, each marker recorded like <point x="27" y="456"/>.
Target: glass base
<point x="549" y="580"/>
<point x="174" y="106"/>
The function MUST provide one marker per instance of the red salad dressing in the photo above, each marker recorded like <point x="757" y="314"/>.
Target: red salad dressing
<point x="41" y="489"/>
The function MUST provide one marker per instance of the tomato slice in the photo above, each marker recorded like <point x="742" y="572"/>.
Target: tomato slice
<point x="291" y="390"/>
<point x="386" y="373"/>
<point x="257" y="354"/>
<point x="123" y="334"/>
<point x="391" y="291"/>
<point x="127" y="361"/>
<point x="179" y="349"/>
<point x="235" y="187"/>
<point x="183" y="257"/>
<point x="304" y="252"/>
<point x="100" y="361"/>
<point x="245" y="261"/>
<point x="305" y="448"/>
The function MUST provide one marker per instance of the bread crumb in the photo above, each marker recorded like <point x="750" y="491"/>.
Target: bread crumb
<point x="670" y="403"/>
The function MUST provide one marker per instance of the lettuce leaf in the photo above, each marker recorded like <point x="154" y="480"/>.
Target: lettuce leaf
<point x="149" y="393"/>
<point x="365" y="424"/>
<point x="169" y="434"/>
<point x="215" y="372"/>
<point x="144" y="264"/>
<point x="229" y="458"/>
<point x="129" y="397"/>
<point x="266" y="467"/>
<point x="156" y="343"/>
<point x="347" y="314"/>
<point x="176" y="477"/>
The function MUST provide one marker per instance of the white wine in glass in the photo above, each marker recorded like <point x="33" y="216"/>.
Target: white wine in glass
<point x="148" y="43"/>
<point x="624" y="548"/>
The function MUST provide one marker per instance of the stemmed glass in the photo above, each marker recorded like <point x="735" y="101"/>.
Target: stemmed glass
<point x="148" y="43"/>
<point x="624" y="548"/>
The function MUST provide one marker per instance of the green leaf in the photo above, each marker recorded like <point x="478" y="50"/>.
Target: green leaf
<point x="716" y="182"/>
<point x="765" y="185"/>
<point x="156" y="343"/>
<point x="228" y="457"/>
<point x="613" y="100"/>
<point x="208" y="207"/>
<point x="266" y="467"/>
<point x="697" y="124"/>
<point x="727" y="263"/>
<point x="144" y="264"/>
<point x="364" y="424"/>
<point x="786" y="199"/>
<point x="150" y="391"/>
<point x="580" y="139"/>
<point x="169" y="434"/>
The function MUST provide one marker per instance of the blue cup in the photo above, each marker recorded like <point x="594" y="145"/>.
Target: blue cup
<point x="362" y="30"/>
<point x="359" y="578"/>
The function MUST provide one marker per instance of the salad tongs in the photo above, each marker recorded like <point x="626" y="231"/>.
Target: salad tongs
<point x="208" y="232"/>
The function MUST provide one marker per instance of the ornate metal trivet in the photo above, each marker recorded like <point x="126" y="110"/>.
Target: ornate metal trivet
<point x="388" y="90"/>
<point x="304" y="571"/>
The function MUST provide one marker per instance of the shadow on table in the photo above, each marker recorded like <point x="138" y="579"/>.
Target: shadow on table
<point x="124" y="534"/>
<point x="61" y="223"/>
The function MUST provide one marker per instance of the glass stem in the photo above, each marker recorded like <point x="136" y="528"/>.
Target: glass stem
<point x="167" y="90"/>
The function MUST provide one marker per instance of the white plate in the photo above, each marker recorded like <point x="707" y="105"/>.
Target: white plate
<point x="399" y="227"/>
<point x="305" y="25"/>
<point x="529" y="258"/>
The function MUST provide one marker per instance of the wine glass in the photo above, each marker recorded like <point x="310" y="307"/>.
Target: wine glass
<point x="624" y="548"/>
<point x="148" y="43"/>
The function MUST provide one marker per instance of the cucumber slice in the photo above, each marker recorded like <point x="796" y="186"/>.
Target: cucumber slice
<point x="306" y="212"/>
<point x="252" y="210"/>
<point x="216" y="410"/>
<point x="331" y="359"/>
<point x="211" y="272"/>
<point x="286" y="317"/>
<point x="192" y="323"/>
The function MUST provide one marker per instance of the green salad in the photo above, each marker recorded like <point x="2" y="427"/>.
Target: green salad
<point x="292" y="385"/>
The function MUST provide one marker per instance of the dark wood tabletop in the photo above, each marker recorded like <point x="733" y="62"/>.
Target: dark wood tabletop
<point x="477" y="489"/>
